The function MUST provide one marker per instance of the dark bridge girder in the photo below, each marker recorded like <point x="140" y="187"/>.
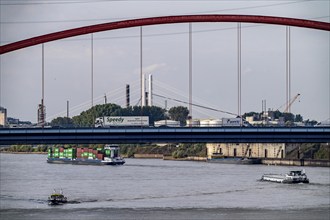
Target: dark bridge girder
<point x="163" y="135"/>
<point x="164" y="20"/>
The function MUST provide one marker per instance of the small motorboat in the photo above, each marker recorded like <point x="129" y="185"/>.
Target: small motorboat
<point x="295" y="176"/>
<point x="57" y="198"/>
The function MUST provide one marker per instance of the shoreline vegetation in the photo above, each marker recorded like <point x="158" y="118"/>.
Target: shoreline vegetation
<point x="311" y="154"/>
<point x="264" y="161"/>
<point x="306" y="151"/>
<point x="129" y="151"/>
<point x="11" y="152"/>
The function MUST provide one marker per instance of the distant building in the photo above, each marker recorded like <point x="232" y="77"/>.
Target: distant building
<point x="256" y="150"/>
<point x="266" y="121"/>
<point x="16" y="123"/>
<point x="3" y="117"/>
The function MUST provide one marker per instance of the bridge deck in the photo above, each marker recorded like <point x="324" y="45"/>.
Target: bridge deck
<point x="164" y="135"/>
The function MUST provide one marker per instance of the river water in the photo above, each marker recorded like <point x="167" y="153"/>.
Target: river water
<point x="157" y="189"/>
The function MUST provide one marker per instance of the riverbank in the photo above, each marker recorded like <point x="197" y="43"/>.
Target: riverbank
<point x="265" y="161"/>
<point x="296" y="162"/>
<point x="9" y="152"/>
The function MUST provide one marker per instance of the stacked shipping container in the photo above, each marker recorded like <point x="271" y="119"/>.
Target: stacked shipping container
<point x="72" y="153"/>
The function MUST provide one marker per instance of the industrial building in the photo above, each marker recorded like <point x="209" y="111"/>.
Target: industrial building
<point x="3" y="117"/>
<point x="254" y="150"/>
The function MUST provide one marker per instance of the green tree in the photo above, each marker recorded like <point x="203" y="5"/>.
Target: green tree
<point x="87" y="118"/>
<point x="62" y="122"/>
<point x="288" y="117"/>
<point x="298" y="118"/>
<point x="249" y="114"/>
<point x="179" y="113"/>
<point x="185" y="150"/>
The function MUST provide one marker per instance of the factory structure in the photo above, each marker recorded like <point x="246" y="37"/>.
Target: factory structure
<point x="147" y="93"/>
<point x="250" y="150"/>
<point x="3" y="117"/>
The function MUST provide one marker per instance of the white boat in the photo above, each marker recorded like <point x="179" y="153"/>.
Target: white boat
<point x="296" y="176"/>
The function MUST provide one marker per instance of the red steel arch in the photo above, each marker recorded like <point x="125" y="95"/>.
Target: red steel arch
<point x="164" y="20"/>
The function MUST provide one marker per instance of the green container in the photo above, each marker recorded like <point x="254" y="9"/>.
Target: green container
<point x="107" y="152"/>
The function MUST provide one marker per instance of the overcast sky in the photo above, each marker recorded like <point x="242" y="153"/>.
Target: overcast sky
<point x="165" y="55"/>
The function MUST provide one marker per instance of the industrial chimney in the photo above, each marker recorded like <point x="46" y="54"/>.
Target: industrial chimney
<point x="150" y="91"/>
<point x="41" y="114"/>
<point x="127" y="96"/>
<point x="143" y="101"/>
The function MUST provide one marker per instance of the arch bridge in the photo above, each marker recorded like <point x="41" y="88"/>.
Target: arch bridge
<point x="147" y="135"/>
<point x="164" y="20"/>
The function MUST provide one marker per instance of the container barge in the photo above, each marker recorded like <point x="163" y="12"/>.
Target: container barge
<point x="109" y="155"/>
<point x="296" y="176"/>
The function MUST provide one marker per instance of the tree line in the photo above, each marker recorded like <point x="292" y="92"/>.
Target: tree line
<point x="177" y="113"/>
<point x="87" y="118"/>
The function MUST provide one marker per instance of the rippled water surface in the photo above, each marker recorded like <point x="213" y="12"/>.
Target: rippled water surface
<point x="27" y="181"/>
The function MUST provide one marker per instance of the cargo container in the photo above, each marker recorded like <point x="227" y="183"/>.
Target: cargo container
<point x="109" y="155"/>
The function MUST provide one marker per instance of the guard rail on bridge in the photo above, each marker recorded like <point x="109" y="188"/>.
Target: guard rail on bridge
<point x="164" y="135"/>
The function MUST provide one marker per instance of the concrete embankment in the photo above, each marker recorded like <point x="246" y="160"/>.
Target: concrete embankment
<point x="267" y="161"/>
<point x="148" y="156"/>
<point x="203" y="159"/>
<point x="296" y="162"/>
<point x="164" y="157"/>
<point x="10" y="152"/>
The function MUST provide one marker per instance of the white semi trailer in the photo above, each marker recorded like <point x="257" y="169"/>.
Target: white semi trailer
<point x="122" y="121"/>
<point x="224" y="122"/>
<point x="234" y="122"/>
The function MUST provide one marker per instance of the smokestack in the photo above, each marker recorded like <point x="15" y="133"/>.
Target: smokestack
<point x="41" y="114"/>
<point x="143" y="101"/>
<point x="67" y="109"/>
<point x="150" y="91"/>
<point x="127" y="96"/>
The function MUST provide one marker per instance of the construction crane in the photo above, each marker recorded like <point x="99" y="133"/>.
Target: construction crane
<point x="288" y="105"/>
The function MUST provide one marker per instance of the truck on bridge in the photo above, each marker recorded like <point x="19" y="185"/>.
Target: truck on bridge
<point x="223" y="122"/>
<point x="122" y="121"/>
